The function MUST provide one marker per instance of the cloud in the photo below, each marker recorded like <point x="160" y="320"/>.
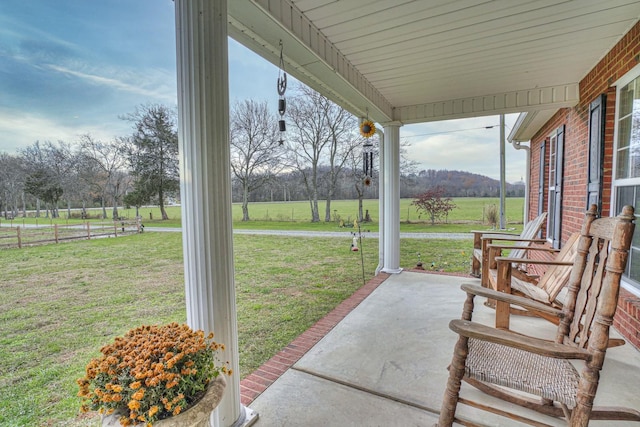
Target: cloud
<point x="465" y="145"/>
<point x="21" y="129"/>
<point x="155" y="88"/>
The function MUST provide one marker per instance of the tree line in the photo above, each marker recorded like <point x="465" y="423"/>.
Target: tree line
<point x="132" y="170"/>
<point x="319" y="157"/>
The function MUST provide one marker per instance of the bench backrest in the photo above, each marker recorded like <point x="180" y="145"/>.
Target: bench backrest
<point x="530" y="231"/>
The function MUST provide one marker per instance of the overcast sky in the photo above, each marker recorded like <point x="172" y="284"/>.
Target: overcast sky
<point x="72" y="67"/>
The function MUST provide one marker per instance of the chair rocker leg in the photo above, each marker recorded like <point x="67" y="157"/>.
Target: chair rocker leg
<point x="529" y="403"/>
<point x="614" y="413"/>
<point x="616" y="342"/>
<point x="546" y="407"/>
<point x="452" y="391"/>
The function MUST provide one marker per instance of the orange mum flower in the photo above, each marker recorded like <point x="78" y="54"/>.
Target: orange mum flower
<point x="134" y="405"/>
<point x="138" y="395"/>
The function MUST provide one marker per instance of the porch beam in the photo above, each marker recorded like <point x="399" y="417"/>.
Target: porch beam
<point x="391" y="183"/>
<point x="205" y="184"/>
<point x="553" y="97"/>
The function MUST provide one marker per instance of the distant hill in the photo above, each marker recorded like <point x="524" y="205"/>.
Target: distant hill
<point x="289" y="186"/>
<point x="457" y="184"/>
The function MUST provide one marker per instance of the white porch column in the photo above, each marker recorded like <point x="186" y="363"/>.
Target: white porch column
<point x="205" y="184"/>
<point x="391" y="218"/>
<point x="381" y="203"/>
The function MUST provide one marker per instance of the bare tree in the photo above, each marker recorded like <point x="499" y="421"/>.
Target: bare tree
<point x="50" y="170"/>
<point x="343" y="140"/>
<point x="255" y="150"/>
<point x="12" y="179"/>
<point x="357" y="176"/>
<point x="307" y="136"/>
<point x="107" y="161"/>
<point x="63" y="161"/>
<point x="320" y="133"/>
<point x="408" y="166"/>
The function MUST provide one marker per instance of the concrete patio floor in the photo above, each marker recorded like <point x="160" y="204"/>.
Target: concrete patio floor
<point x="384" y="363"/>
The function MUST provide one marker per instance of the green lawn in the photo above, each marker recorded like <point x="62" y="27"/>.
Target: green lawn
<point x="61" y="303"/>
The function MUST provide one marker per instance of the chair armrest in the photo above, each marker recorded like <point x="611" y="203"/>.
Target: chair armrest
<point x="502" y="233"/>
<point x="519" y="341"/>
<point x="511" y="299"/>
<point x="532" y="261"/>
<point x="512" y="239"/>
<point x="477" y="236"/>
<point x="526" y="248"/>
<point x="494" y="252"/>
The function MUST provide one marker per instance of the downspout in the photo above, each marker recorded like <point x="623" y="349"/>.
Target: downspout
<point x="518" y="146"/>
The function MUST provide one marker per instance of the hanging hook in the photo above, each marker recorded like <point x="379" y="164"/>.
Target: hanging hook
<point x="282" y="75"/>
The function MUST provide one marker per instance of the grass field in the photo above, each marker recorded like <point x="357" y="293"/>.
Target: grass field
<point x="61" y="303"/>
<point x="468" y="215"/>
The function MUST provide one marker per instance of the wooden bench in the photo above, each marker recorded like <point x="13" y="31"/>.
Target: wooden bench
<point x="482" y="240"/>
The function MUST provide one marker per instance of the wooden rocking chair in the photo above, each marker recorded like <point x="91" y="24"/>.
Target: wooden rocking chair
<point x="482" y="240"/>
<point x="545" y="289"/>
<point x="504" y="364"/>
<point x="549" y="289"/>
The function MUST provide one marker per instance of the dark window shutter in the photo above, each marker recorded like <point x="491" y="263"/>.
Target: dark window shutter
<point x="557" y="225"/>
<point x="596" y="151"/>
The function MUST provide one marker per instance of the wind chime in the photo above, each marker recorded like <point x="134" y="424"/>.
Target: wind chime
<point x="282" y="104"/>
<point x="367" y="129"/>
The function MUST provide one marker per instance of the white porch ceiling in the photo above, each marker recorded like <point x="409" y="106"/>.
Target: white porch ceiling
<point x="426" y="60"/>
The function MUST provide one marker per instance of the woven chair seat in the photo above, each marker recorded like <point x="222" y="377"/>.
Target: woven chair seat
<point x="542" y="376"/>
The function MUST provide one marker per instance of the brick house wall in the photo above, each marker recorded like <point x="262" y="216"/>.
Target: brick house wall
<point x="616" y="63"/>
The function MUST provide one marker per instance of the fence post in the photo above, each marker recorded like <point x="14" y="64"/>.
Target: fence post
<point x="88" y="231"/>
<point x="19" y="237"/>
<point x="55" y="232"/>
<point x="115" y="229"/>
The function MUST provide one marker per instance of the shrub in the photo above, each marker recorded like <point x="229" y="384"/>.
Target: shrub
<point x="434" y="203"/>
<point x="492" y="215"/>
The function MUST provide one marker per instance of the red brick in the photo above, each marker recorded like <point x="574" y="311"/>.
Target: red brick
<point x="253" y="386"/>
<point x="266" y="374"/>
<point x="616" y="63"/>
<point x="274" y="369"/>
<point x="257" y="379"/>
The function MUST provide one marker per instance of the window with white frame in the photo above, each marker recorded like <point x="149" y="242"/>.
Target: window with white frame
<point x="552" y="186"/>
<point x="554" y="200"/>
<point x="626" y="179"/>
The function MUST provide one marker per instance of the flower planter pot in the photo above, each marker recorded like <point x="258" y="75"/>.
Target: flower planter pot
<point x="196" y="416"/>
